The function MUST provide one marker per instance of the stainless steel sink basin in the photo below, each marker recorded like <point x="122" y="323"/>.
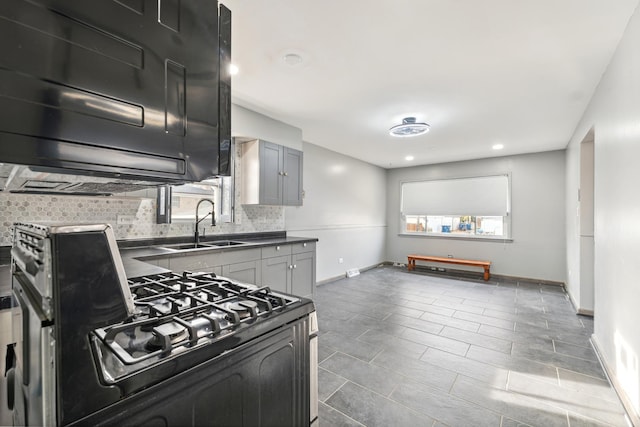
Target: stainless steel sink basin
<point x="214" y="244"/>
<point x="225" y="243"/>
<point x="182" y="246"/>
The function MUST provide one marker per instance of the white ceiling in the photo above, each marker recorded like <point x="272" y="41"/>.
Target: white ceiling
<point x="480" y="72"/>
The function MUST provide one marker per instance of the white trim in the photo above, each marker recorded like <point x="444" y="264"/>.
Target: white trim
<point x="632" y="417"/>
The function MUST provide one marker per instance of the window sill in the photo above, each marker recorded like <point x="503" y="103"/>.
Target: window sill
<point x="459" y="237"/>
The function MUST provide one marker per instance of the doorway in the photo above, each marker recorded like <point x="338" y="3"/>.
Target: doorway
<point x="586" y="227"/>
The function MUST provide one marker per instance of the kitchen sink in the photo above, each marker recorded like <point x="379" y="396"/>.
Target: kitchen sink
<point x="214" y="244"/>
<point x="225" y="243"/>
<point x="181" y="246"/>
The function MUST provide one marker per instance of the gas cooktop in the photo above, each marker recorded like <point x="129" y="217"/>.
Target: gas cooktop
<point x="175" y="313"/>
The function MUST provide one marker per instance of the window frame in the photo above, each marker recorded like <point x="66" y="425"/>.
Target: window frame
<point x="224" y="210"/>
<point x="506" y="219"/>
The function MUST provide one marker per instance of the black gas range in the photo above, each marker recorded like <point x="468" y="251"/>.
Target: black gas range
<point x="95" y="348"/>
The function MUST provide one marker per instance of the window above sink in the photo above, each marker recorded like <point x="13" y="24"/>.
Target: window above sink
<point x="185" y="198"/>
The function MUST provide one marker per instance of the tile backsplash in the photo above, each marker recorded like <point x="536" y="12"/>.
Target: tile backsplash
<point x="107" y="209"/>
<point x="84" y="209"/>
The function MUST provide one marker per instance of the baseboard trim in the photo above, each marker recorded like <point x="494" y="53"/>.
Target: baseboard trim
<point x="581" y="311"/>
<point x="468" y="274"/>
<point x="633" y="418"/>
<point x="454" y="274"/>
<point x="342" y="276"/>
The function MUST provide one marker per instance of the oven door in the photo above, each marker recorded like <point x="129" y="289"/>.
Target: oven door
<point x="33" y="373"/>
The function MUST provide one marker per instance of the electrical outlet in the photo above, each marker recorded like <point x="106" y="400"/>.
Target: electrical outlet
<point x="449" y="256"/>
<point x="125" y="219"/>
<point x="340" y="260"/>
<point x="441" y="269"/>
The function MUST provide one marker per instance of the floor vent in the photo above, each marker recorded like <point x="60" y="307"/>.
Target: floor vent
<point x="353" y="272"/>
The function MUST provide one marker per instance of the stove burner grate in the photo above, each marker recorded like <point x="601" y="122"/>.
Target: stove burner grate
<point x="178" y="311"/>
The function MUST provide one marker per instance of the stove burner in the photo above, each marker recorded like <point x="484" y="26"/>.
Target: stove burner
<point x="245" y="308"/>
<point x="165" y="335"/>
<point x="177" y="313"/>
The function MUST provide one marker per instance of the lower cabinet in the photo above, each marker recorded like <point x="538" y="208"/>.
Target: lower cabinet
<point x="303" y="274"/>
<point x="293" y="270"/>
<point x="246" y="272"/>
<point x="289" y="268"/>
<point x="275" y="273"/>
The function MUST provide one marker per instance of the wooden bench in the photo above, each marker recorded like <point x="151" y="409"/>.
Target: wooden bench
<point x="473" y="263"/>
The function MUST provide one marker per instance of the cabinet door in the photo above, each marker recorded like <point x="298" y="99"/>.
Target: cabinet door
<point x="276" y="273"/>
<point x="195" y="263"/>
<point x="271" y="173"/>
<point x="292" y="180"/>
<point x="245" y="272"/>
<point x="303" y="276"/>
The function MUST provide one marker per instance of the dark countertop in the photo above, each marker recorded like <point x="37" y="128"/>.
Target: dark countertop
<point x="133" y="253"/>
<point x="158" y="251"/>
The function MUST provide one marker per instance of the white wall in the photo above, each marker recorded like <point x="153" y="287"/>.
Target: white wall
<point x="614" y="114"/>
<point x="344" y="206"/>
<point x="250" y="124"/>
<point x="537" y="222"/>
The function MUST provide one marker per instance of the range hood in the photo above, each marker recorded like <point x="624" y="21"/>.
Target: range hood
<point x="119" y="92"/>
<point x="26" y="179"/>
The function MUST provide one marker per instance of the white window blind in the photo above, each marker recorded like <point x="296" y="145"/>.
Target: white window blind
<point x="478" y="196"/>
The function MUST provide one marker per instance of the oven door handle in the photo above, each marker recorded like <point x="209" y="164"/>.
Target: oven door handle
<point x="10" y="374"/>
<point x="11" y="388"/>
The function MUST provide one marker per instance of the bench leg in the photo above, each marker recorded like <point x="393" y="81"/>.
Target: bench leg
<point x="411" y="264"/>
<point x="486" y="273"/>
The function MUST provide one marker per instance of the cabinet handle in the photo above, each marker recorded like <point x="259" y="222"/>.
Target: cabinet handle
<point x="290" y="267"/>
<point x="294" y="266"/>
<point x="286" y="174"/>
<point x="277" y="248"/>
<point x="304" y="245"/>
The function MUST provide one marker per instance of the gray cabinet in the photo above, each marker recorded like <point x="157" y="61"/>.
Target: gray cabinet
<point x="303" y="274"/>
<point x="241" y="264"/>
<point x="290" y="268"/>
<point x="245" y="272"/>
<point x="275" y="273"/>
<point x="271" y="174"/>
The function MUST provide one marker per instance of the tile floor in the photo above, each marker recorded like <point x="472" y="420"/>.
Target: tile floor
<point x="412" y="349"/>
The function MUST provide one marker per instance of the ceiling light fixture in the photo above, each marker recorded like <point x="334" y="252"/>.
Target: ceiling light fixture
<point x="409" y="127"/>
<point x="233" y="69"/>
<point x="409" y="158"/>
<point x="292" y="59"/>
<point x="497" y="146"/>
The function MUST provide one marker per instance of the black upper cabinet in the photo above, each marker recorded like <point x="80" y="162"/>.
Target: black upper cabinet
<point x="126" y="88"/>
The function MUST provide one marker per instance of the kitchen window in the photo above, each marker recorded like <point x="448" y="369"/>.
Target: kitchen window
<point x="472" y="207"/>
<point x="185" y="198"/>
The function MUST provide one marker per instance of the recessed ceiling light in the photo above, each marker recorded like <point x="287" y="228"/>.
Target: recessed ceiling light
<point x="233" y="69"/>
<point x="409" y="158"/>
<point x="409" y="127"/>
<point x="498" y="146"/>
<point x="292" y="59"/>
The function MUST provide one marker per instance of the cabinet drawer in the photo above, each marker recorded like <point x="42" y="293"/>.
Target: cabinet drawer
<point x="239" y="255"/>
<point x="198" y="262"/>
<point x="278" y="250"/>
<point x="298" y="248"/>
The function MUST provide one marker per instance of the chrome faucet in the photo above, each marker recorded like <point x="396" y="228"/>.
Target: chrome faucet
<point x="198" y="221"/>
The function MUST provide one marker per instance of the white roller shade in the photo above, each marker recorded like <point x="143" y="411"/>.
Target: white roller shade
<point x="478" y="196"/>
